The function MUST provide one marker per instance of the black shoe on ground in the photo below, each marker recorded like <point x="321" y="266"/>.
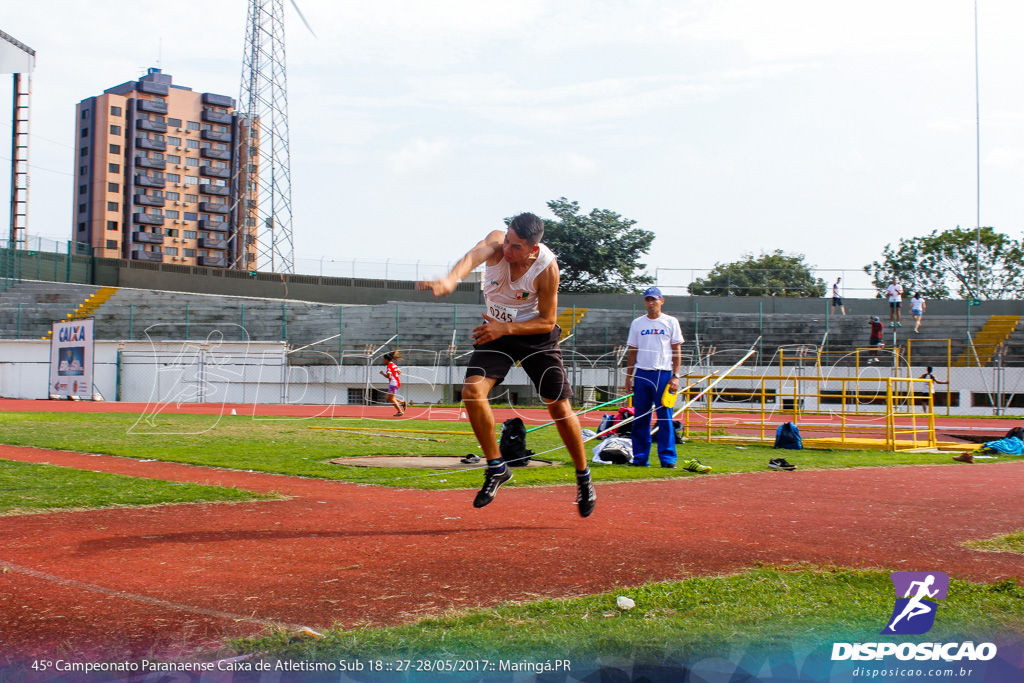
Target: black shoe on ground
<point x="492" y="482"/>
<point x="586" y="497"/>
<point x="780" y="464"/>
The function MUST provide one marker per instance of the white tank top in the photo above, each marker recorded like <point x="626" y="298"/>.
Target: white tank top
<point x="510" y="301"/>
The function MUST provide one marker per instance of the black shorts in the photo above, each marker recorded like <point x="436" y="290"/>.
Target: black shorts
<point x="539" y="355"/>
<point x="894" y="304"/>
<point x="876" y="341"/>
<point x="837" y="301"/>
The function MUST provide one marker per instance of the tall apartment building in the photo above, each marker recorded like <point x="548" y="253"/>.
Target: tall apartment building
<point x="158" y="175"/>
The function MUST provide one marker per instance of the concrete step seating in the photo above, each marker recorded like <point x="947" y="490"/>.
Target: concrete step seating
<point x="426" y="329"/>
<point x="88" y="307"/>
<point x="996" y="331"/>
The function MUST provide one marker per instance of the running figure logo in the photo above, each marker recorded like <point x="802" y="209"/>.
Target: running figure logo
<point x="914" y="613"/>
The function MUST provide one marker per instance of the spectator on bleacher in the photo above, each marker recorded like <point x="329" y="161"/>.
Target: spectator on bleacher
<point x="917" y="306"/>
<point x="876" y="342"/>
<point x="655" y="345"/>
<point x="895" y="293"/>
<point x="837" y="299"/>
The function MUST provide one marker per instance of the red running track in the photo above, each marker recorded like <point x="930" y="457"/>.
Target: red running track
<point x="175" y="580"/>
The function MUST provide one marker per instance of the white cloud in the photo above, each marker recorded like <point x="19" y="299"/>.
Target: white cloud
<point x="573" y="163"/>
<point x="1005" y="158"/>
<point x="420" y="155"/>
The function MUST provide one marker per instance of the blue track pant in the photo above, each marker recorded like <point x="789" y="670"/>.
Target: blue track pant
<point x="648" y="386"/>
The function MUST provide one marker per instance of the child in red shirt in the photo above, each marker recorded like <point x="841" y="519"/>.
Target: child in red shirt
<point x="393" y="373"/>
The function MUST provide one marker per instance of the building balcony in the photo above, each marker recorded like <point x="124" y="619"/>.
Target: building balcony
<point x="214" y="172"/>
<point x="213" y="226"/>
<point x="146" y="143"/>
<point x="215" y="261"/>
<point x="148" y="219"/>
<point x="152" y="126"/>
<point x="218" y="100"/>
<point x="219" y="154"/>
<point x="215" y="117"/>
<point x="151" y="106"/>
<point x="207" y="243"/>
<point x="147" y="200"/>
<point x="216" y="137"/>
<point x="147" y="237"/>
<point x="153" y="88"/>
<point x="143" y="162"/>
<point x="150" y="181"/>
<point x="148" y="256"/>
<point x="210" y="207"/>
<point x="219" y="190"/>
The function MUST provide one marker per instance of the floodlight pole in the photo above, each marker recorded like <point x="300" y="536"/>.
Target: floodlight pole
<point x="977" y="112"/>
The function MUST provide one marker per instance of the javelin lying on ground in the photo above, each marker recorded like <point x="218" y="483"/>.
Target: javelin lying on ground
<point x="703" y="392"/>
<point x="719" y="378"/>
<point x="582" y="412"/>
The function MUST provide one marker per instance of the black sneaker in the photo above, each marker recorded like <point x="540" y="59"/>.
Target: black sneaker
<point x="780" y="464"/>
<point x="492" y="482"/>
<point x="586" y="497"/>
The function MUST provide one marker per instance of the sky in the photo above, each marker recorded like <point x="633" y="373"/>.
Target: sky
<point x="729" y="127"/>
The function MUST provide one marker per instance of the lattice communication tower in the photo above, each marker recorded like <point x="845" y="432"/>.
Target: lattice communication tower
<point x="263" y="104"/>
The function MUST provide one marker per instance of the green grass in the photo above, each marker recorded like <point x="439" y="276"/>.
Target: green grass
<point x="772" y="607"/>
<point x="288" y="446"/>
<point x="1010" y="543"/>
<point x="28" y="487"/>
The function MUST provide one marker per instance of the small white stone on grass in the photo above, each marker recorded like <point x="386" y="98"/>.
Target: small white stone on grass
<point x="625" y="603"/>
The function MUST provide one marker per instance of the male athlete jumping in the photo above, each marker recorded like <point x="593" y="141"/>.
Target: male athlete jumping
<point x="521" y="293"/>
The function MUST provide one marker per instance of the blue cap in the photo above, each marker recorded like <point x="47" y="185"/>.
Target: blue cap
<point x="653" y="291"/>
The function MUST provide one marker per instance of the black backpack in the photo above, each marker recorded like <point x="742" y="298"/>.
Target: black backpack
<point x="615" y="454"/>
<point x="513" y="443"/>
<point x="1017" y="432"/>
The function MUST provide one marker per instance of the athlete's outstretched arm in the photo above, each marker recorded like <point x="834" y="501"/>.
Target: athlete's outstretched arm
<point x="485" y="250"/>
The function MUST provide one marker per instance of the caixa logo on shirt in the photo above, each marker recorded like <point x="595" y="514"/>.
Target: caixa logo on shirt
<point x="652" y="331"/>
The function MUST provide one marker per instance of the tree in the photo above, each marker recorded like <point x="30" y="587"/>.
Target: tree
<point x="597" y="252"/>
<point x="774" y="274"/>
<point x="947" y="262"/>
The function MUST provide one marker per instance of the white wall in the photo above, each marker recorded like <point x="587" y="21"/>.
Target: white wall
<point x="257" y="372"/>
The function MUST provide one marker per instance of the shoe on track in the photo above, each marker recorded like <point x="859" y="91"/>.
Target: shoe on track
<point x="780" y="464"/>
<point x="586" y="497"/>
<point x="492" y="482"/>
<point x="964" y="457"/>
<point x="695" y="466"/>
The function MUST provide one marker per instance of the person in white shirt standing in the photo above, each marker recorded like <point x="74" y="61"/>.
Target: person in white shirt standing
<point x="837" y="298"/>
<point x="917" y="306"/>
<point x="655" y="353"/>
<point x="895" y="293"/>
